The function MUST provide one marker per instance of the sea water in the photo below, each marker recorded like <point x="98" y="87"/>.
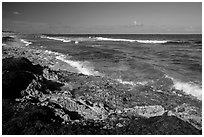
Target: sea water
<point x="160" y="60"/>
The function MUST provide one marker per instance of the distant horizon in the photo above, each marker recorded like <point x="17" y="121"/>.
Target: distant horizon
<point x="103" y="17"/>
<point x="110" y="33"/>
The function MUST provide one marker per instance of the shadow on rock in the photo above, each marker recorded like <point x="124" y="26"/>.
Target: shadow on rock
<point x="17" y="74"/>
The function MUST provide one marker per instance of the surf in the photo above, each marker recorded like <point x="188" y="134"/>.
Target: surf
<point x="111" y="39"/>
<point x="82" y="67"/>
<point x="189" y="88"/>
<point x="131" y="40"/>
<point x="152" y="41"/>
<point x="54" y="38"/>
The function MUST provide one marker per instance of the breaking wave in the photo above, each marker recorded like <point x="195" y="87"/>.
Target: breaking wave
<point x="77" y="40"/>
<point x="142" y="41"/>
<point x="151" y="41"/>
<point x="111" y="39"/>
<point x="130" y="40"/>
<point x="187" y="87"/>
<point x="81" y="67"/>
<point x="54" y="38"/>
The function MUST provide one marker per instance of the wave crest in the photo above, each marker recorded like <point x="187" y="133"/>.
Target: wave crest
<point x="152" y="41"/>
<point x="54" y="38"/>
<point x="80" y="66"/>
<point x="111" y="39"/>
<point x="187" y="87"/>
<point x="130" y="40"/>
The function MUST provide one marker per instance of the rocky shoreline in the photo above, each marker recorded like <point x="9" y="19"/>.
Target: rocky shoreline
<point x="43" y="95"/>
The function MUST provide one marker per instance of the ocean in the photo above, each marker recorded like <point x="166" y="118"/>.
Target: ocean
<point x="161" y="61"/>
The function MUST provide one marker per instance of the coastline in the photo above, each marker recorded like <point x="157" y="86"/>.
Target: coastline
<point x="68" y="99"/>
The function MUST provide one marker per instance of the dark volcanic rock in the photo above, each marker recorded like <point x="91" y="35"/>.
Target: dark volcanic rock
<point x="20" y="64"/>
<point x="31" y="119"/>
<point x="17" y="75"/>
<point x="159" y="125"/>
<point x="41" y="120"/>
<point x="14" y="82"/>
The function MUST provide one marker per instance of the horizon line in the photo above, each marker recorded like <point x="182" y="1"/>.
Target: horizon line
<point x="103" y="33"/>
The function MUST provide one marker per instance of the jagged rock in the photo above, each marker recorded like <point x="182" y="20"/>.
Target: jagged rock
<point x="146" y="111"/>
<point x="50" y="75"/>
<point x="69" y="104"/>
<point x="31" y="119"/>
<point x="20" y="64"/>
<point x="18" y="73"/>
<point x="14" y="82"/>
<point x="188" y="113"/>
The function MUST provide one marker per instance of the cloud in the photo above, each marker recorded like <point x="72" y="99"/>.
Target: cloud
<point x="16" y="12"/>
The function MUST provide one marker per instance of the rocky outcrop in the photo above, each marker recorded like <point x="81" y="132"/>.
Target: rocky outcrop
<point x="17" y="74"/>
<point x="189" y="114"/>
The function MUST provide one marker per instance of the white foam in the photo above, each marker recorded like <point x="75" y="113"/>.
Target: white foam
<point x="111" y="39"/>
<point x="25" y="42"/>
<point x="188" y="88"/>
<point x="80" y="66"/>
<point x="103" y="39"/>
<point x="152" y="41"/>
<point x="130" y="40"/>
<point x="55" y="38"/>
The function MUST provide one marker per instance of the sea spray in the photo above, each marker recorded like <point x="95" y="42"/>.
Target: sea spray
<point x="82" y="67"/>
<point x="187" y="87"/>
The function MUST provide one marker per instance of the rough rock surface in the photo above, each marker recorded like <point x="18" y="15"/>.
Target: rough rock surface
<point x="39" y="99"/>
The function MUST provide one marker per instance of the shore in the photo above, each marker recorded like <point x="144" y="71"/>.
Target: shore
<point x="42" y="94"/>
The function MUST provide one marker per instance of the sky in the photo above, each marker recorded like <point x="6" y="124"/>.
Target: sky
<point x="106" y="17"/>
